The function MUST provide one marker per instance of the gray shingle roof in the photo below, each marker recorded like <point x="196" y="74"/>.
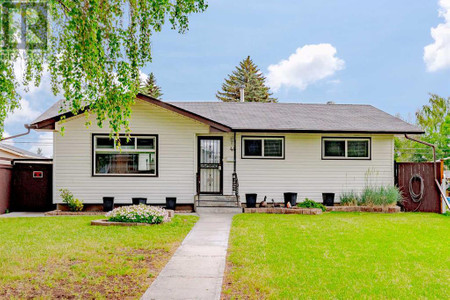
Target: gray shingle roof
<point x="22" y="152"/>
<point x="53" y="111"/>
<point x="300" y="117"/>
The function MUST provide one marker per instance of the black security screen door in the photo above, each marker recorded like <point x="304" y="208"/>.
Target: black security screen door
<point x="210" y="165"/>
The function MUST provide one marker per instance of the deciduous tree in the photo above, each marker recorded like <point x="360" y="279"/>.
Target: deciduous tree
<point x="434" y="119"/>
<point x="94" y="51"/>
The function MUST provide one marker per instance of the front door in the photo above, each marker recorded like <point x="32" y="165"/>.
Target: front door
<point x="210" y="165"/>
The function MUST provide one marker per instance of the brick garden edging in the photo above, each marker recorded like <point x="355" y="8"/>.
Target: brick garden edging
<point x="283" y="210"/>
<point x="109" y="223"/>
<point x="374" y="209"/>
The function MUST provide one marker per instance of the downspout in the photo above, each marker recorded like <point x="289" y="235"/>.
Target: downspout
<point x="27" y="126"/>
<point x="436" y="181"/>
<point x="429" y="145"/>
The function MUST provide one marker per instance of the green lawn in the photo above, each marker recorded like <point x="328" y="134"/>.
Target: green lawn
<point x="66" y="257"/>
<point x="339" y="255"/>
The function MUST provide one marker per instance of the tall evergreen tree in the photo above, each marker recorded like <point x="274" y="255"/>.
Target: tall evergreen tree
<point x="246" y="75"/>
<point x="151" y="88"/>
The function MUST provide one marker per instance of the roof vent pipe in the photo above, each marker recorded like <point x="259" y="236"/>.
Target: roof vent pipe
<point x="241" y="94"/>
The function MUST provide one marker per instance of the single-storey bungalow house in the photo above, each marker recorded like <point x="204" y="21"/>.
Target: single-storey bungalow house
<point x="215" y="151"/>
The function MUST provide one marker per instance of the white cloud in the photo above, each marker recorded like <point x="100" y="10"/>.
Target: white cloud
<point x="142" y="76"/>
<point x="437" y="54"/>
<point x="8" y="142"/>
<point x="45" y="142"/>
<point x="23" y="114"/>
<point x="307" y="65"/>
<point x="45" y="83"/>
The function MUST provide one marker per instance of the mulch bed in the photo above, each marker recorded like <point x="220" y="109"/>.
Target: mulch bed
<point x="74" y="213"/>
<point x="374" y="209"/>
<point x="284" y="210"/>
<point x="110" y="223"/>
<point x="94" y="213"/>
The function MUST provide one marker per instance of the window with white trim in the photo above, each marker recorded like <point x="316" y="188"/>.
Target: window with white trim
<point x="346" y="148"/>
<point x="262" y="147"/>
<point x="135" y="156"/>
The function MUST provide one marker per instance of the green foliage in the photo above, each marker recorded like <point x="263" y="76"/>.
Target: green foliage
<point x="434" y="119"/>
<point x="250" y="77"/>
<point x="447" y="213"/>
<point x="150" y="87"/>
<point x="350" y="198"/>
<point x="73" y="203"/>
<point x="94" y="53"/>
<point x="308" y="203"/>
<point x="381" y="196"/>
<point x="138" y="214"/>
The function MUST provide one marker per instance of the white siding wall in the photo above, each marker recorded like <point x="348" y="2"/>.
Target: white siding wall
<point x="303" y="171"/>
<point x="177" y="163"/>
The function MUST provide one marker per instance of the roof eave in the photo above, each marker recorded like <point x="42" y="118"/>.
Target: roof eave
<point x="49" y="124"/>
<point x="328" y="131"/>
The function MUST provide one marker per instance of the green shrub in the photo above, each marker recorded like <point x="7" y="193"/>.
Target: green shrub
<point x="447" y="213"/>
<point x="381" y="196"/>
<point x="308" y="203"/>
<point x="349" y="198"/>
<point x="73" y="203"/>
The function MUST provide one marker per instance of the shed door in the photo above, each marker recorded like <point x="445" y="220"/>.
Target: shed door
<point x="31" y="187"/>
<point x="210" y="165"/>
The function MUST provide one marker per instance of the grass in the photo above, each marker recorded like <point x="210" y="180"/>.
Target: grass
<point x="66" y="257"/>
<point x="339" y="255"/>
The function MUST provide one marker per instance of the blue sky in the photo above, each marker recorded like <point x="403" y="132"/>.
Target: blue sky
<point x="346" y="51"/>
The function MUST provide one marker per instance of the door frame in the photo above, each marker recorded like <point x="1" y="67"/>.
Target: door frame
<point x="199" y="138"/>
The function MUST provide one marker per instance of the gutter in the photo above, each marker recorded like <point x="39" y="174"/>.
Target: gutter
<point x="436" y="181"/>
<point x="27" y="126"/>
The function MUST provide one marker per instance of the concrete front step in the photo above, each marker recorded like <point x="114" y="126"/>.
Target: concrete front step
<point x="216" y="203"/>
<point x="217" y="198"/>
<point x="219" y="210"/>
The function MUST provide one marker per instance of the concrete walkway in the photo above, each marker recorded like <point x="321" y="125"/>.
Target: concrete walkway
<point x="196" y="269"/>
<point x="22" y="215"/>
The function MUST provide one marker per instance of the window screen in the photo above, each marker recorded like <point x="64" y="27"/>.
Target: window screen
<point x="263" y="147"/>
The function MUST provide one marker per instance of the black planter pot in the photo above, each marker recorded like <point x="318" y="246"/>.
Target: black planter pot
<point x="328" y="199"/>
<point x="171" y="202"/>
<point x="290" y="197"/>
<point x="137" y="201"/>
<point x="108" y="203"/>
<point x="250" y="200"/>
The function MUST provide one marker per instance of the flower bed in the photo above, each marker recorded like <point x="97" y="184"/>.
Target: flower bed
<point x="73" y="213"/>
<point x="377" y="209"/>
<point x="139" y="214"/>
<point x="284" y="210"/>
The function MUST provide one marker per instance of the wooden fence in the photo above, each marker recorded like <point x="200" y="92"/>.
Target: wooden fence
<point x="417" y="179"/>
